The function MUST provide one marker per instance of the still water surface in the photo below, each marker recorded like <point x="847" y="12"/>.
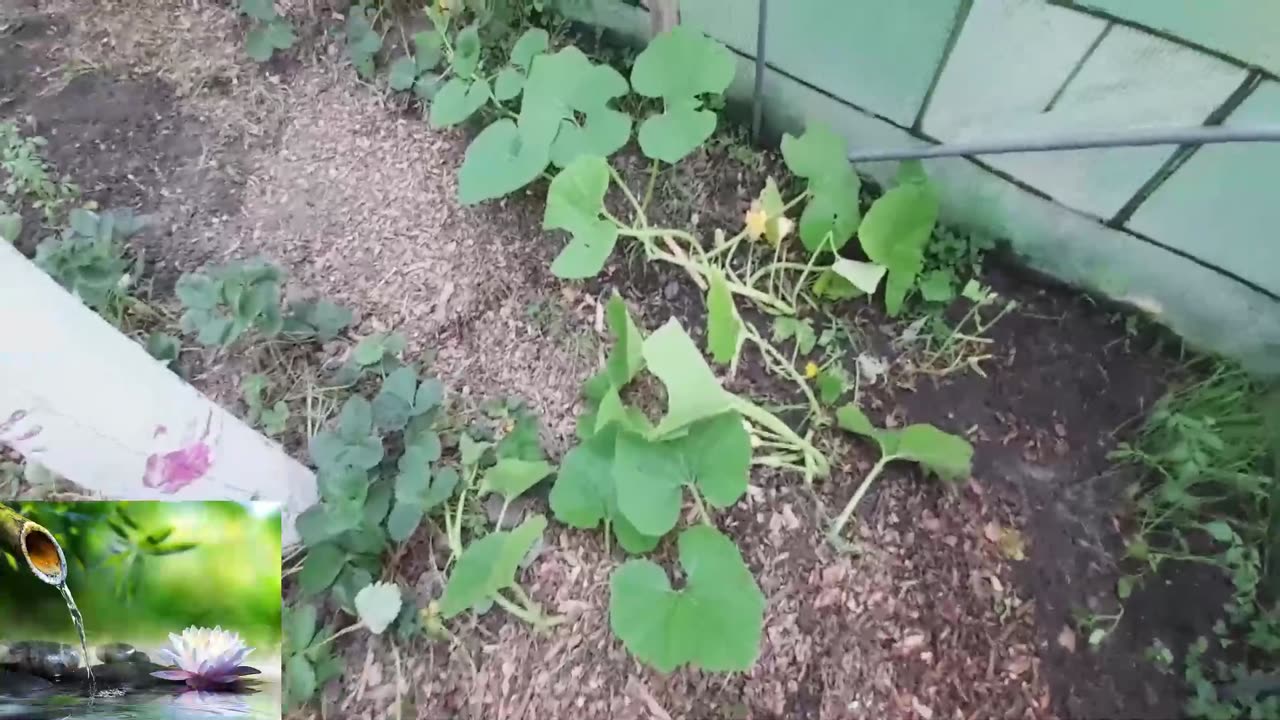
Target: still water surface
<point x="149" y="705"/>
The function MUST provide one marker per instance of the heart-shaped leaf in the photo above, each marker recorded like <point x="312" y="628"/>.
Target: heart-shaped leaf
<point x="713" y="623"/>
<point x="378" y="605"/>
<point x="680" y="66"/>
<point x="832" y="214"/>
<point x="650" y="476"/>
<point x="457" y="101"/>
<point x="894" y="234"/>
<point x="574" y="203"/>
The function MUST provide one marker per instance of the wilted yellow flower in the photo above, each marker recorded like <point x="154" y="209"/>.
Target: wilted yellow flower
<point x="811" y="370"/>
<point x="757" y="221"/>
<point x="784" y="226"/>
<point x="444" y="6"/>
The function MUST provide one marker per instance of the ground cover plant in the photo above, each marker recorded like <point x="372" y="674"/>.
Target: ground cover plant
<point x="1211" y="450"/>
<point x="474" y="583"/>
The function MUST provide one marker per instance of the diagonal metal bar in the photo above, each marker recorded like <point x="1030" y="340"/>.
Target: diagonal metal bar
<point x="1203" y="135"/>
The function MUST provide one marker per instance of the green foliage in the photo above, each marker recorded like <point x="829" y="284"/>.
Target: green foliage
<point x="713" y="623"/>
<point x="363" y="41"/>
<point x="309" y="662"/>
<point x="321" y="320"/>
<point x="950" y="457"/>
<point x="724" y="325"/>
<point x="801" y="330"/>
<point x="417" y="72"/>
<point x="136" y="546"/>
<point x="10" y="224"/>
<point x="377" y="606"/>
<point x="268" y="30"/>
<point x="680" y="66"/>
<point x="633" y="475"/>
<point x="87" y="258"/>
<point x="832" y="213"/>
<point x="402" y="398"/>
<point x="223" y="303"/>
<point x="896" y="231"/>
<point x="1212" y="496"/>
<point x="164" y="347"/>
<point x="352" y="445"/>
<point x="488" y="566"/>
<point x="575" y="201"/>
<point x="713" y="458"/>
<point x="26" y="176"/>
<point x="271" y="419"/>
<point x="560" y="87"/>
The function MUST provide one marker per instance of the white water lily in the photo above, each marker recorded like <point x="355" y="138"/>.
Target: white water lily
<point x="205" y="658"/>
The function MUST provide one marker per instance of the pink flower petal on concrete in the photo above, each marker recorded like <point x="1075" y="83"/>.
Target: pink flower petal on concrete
<point x="170" y="472"/>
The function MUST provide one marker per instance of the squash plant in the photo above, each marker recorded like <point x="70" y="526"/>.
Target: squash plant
<point x="633" y="474"/>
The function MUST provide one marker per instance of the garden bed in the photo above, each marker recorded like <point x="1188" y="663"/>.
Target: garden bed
<point x="959" y="601"/>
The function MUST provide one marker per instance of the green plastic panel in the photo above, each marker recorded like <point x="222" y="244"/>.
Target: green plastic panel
<point x="878" y="55"/>
<point x="1248" y="30"/>
<point x="1221" y="205"/>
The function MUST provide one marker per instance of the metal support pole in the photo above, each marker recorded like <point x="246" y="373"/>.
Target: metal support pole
<point x="757" y="97"/>
<point x="1204" y="135"/>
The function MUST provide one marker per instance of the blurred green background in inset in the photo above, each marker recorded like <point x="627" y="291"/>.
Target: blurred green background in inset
<point x="140" y="570"/>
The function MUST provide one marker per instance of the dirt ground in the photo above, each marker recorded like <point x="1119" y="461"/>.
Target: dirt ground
<point x="150" y="105"/>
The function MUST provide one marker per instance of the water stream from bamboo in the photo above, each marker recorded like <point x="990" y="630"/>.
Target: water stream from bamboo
<point x="78" y="619"/>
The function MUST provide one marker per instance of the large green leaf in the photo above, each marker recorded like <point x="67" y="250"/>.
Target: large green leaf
<point x="264" y="10"/>
<point x="948" y="456"/>
<point x="679" y="66"/>
<point x="718" y="458"/>
<point x="626" y="359"/>
<point x="584" y="492"/>
<point x="713" y="623"/>
<point x="532" y="42"/>
<point x="466" y="51"/>
<point x="403" y="73"/>
<point x="714" y="457"/>
<point x="512" y="477"/>
<point x="820" y="156"/>
<point x="894" y="234"/>
<point x="559" y="87"/>
<point x="574" y="203"/>
<point x="502" y="159"/>
<point x="489" y="565"/>
<point x="321" y="568"/>
<point x="457" y="101"/>
<point x="671" y="136"/>
<point x="724" y="326"/>
<point x="693" y="393"/>
<point x="566" y="84"/>
<point x="650" y="476"/>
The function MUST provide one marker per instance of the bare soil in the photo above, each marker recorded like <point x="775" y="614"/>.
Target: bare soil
<point x="149" y="104"/>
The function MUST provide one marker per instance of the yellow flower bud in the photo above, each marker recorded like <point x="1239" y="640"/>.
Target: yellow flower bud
<point x="811" y="370"/>
<point x="757" y="221"/>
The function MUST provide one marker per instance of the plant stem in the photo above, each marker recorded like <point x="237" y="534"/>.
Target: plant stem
<point x="702" y="508"/>
<point x="759" y="415"/>
<point x="529" y="613"/>
<point x="847" y="513"/>
<point x="648" y="190"/>
<point x="340" y="633"/>
<point x="641" y="221"/>
<point x="783" y="366"/>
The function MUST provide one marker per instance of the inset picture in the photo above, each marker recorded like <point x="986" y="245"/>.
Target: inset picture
<point x="140" y="610"/>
